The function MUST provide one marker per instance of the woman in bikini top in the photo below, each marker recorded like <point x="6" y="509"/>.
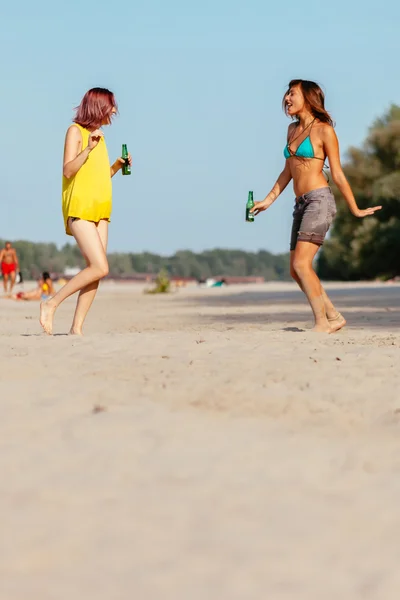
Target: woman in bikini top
<point x="304" y="149"/>
<point x="311" y="139"/>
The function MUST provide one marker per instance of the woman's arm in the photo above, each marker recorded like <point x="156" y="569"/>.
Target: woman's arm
<point x="51" y="288"/>
<point x="116" y="166"/>
<point x="331" y="148"/>
<point x="281" y="183"/>
<point x="16" y="262"/>
<point x="74" y="158"/>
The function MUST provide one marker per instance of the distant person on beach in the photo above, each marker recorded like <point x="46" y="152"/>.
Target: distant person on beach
<point x="311" y="139"/>
<point x="9" y="267"/>
<point x="44" y="290"/>
<point x="86" y="202"/>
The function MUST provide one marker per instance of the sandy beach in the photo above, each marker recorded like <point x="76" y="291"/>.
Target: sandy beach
<point x="202" y="445"/>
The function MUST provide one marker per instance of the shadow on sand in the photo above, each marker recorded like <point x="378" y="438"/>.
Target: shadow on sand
<point x="377" y="307"/>
<point x="41" y="334"/>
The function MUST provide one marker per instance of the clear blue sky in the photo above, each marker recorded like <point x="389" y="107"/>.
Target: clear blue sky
<point x="199" y="86"/>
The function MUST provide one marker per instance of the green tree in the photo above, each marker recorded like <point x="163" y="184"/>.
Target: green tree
<point x="368" y="248"/>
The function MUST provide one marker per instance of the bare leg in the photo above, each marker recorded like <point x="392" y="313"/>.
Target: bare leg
<point x="88" y="293"/>
<point x="89" y="242"/>
<point x="13" y="276"/>
<point x="336" y="320"/>
<point x="5" y="283"/>
<point x="32" y="295"/>
<point x="331" y="311"/>
<point x="310" y="284"/>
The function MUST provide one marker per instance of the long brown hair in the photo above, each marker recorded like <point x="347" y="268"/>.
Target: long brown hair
<point x="314" y="98"/>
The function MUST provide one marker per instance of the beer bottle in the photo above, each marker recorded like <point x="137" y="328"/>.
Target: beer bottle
<point x="249" y="205"/>
<point x="126" y="167"/>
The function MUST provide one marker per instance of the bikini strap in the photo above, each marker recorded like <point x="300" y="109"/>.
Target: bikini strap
<point x="293" y="139"/>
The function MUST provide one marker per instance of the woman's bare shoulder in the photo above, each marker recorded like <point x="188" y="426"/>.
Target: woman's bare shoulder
<point x="73" y="137"/>
<point x="291" y="129"/>
<point x="74" y="131"/>
<point x="323" y="127"/>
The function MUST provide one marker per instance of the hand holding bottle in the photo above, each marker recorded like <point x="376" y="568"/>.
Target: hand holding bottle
<point x="122" y="160"/>
<point x="249" y="206"/>
<point x="126" y="160"/>
<point x="260" y="206"/>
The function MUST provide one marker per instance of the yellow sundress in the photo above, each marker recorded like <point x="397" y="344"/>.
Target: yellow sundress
<point x="88" y="194"/>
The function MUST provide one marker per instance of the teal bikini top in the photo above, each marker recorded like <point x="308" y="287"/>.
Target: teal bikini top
<point x="305" y="149"/>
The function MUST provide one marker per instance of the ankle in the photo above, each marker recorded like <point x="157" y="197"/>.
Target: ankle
<point x="76" y="331"/>
<point x="333" y="315"/>
<point x="321" y="321"/>
<point x="50" y="303"/>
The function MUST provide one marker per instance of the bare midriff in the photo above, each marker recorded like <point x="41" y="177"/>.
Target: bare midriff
<point x="307" y="175"/>
<point x="8" y="257"/>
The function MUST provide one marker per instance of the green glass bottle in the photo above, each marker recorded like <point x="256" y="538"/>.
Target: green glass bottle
<point x="126" y="167"/>
<point x="249" y="205"/>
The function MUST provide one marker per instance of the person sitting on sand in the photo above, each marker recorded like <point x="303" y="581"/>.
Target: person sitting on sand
<point x="311" y="139"/>
<point x="9" y="266"/>
<point x="44" y="290"/>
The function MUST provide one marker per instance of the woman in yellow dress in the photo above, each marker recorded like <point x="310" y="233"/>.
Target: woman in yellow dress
<point x="86" y="202"/>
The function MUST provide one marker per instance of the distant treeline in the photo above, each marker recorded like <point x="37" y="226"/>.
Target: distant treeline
<point x="37" y="257"/>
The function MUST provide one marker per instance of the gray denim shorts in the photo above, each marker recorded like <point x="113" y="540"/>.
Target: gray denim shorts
<point x="312" y="216"/>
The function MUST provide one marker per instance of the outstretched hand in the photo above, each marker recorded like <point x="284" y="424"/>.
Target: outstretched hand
<point x="367" y="212"/>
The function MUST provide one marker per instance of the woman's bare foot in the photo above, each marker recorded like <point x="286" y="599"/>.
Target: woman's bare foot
<point x="337" y="322"/>
<point x="76" y="331"/>
<point x="322" y="328"/>
<point x="47" y="310"/>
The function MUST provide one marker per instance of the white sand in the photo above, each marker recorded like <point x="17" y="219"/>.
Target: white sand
<point x="234" y="458"/>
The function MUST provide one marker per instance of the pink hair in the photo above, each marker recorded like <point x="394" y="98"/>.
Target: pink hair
<point x="96" y="105"/>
